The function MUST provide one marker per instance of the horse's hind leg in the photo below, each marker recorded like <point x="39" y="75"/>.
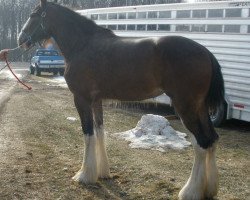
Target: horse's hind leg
<point x="102" y="158"/>
<point x="88" y="172"/>
<point x="212" y="173"/>
<point x="203" y="181"/>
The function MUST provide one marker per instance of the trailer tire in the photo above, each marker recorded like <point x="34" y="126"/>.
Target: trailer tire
<point x="219" y="116"/>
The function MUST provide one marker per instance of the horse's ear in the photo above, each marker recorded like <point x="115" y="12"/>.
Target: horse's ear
<point x="43" y="3"/>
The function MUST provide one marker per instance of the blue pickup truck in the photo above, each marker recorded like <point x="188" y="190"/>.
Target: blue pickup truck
<point x="46" y="60"/>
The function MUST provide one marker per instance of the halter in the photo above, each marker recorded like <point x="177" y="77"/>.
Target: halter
<point x="29" y="38"/>
<point x="41" y="24"/>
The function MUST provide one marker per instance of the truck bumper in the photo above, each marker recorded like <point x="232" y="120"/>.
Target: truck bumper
<point x="51" y="66"/>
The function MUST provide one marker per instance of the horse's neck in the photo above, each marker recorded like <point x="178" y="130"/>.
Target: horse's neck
<point x="67" y="40"/>
<point x="72" y="37"/>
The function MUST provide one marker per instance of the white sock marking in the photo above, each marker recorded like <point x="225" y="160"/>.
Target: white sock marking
<point x="88" y="172"/>
<point x="194" y="189"/>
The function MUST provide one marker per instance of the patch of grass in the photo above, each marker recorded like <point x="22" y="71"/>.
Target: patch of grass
<point x="42" y="151"/>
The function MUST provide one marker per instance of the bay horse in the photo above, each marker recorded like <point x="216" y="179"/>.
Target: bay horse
<point x="102" y="65"/>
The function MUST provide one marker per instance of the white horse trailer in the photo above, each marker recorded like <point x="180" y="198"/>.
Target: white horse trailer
<point x="223" y="27"/>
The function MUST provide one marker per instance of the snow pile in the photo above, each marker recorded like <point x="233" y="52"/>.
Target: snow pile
<point x="154" y="132"/>
<point x="60" y="81"/>
<point x="10" y="76"/>
<point x="73" y="119"/>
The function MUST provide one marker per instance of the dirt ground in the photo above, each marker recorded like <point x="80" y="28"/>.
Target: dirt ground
<point x="40" y="150"/>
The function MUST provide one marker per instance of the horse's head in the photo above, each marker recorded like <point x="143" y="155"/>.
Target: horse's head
<point x="36" y="28"/>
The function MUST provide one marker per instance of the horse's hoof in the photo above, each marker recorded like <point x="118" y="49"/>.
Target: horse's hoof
<point x="212" y="193"/>
<point x="189" y="193"/>
<point x="105" y="176"/>
<point x="85" y="178"/>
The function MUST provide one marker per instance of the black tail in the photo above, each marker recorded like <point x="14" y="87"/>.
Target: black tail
<point x="215" y="96"/>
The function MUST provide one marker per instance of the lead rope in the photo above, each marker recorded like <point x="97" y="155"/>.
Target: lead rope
<point x="29" y="38"/>
<point x="7" y="63"/>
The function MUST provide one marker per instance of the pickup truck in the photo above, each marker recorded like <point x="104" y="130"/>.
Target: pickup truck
<point x="46" y="60"/>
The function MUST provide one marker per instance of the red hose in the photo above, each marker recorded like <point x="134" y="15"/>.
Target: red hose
<point x="28" y="87"/>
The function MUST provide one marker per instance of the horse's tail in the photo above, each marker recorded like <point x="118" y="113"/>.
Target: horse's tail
<point x="215" y="96"/>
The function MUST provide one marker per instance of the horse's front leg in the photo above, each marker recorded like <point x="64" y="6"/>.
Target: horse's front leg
<point x="102" y="158"/>
<point x="88" y="173"/>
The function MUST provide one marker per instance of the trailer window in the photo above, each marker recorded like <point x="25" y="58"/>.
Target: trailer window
<point x="198" y="28"/>
<point x="112" y="27"/>
<point x="141" y="15"/>
<point x="165" y="14"/>
<point x="232" y="29"/>
<point x="233" y="12"/>
<point x="122" y="27"/>
<point x="131" y="27"/>
<point x="199" y="13"/>
<point x="151" y="27"/>
<point x="182" y="28"/>
<point x="183" y="14"/>
<point x="103" y="16"/>
<point x="248" y="29"/>
<point x="94" y="16"/>
<point x="215" y="13"/>
<point x="164" y="27"/>
<point x="112" y="16"/>
<point x="141" y="27"/>
<point x="152" y="14"/>
<point x="132" y="15"/>
<point x="103" y="26"/>
<point x="122" y="16"/>
<point x="214" y="28"/>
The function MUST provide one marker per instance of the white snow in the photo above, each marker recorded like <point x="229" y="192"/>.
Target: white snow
<point x="73" y="119"/>
<point x="9" y="75"/>
<point x="155" y="133"/>
<point x="60" y="81"/>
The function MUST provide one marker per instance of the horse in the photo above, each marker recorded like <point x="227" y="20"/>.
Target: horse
<point x="101" y="65"/>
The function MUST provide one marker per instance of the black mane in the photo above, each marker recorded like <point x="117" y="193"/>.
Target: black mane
<point x="80" y="21"/>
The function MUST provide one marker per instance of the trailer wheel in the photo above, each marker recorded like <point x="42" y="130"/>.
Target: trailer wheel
<point x="219" y="115"/>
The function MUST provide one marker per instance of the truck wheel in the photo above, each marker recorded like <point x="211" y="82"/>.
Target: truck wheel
<point x="61" y="72"/>
<point x="219" y="115"/>
<point x="55" y="72"/>
<point x="32" y="70"/>
<point x="37" y="71"/>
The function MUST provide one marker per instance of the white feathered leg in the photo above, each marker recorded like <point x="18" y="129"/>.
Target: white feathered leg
<point x="212" y="173"/>
<point x="195" y="186"/>
<point x="102" y="158"/>
<point x="88" y="172"/>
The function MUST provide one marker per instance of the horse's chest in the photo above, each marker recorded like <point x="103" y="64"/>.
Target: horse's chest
<point x="79" y="80"/>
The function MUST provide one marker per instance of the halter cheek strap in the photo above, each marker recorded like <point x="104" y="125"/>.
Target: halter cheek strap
<point x="43" y="15"/>
<point x="29" y="37"/>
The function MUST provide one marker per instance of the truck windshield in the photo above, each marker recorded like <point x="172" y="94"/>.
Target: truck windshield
<point x="47" y="53"/>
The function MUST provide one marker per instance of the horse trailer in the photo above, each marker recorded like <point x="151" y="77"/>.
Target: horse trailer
<point x="223" y="27"/>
